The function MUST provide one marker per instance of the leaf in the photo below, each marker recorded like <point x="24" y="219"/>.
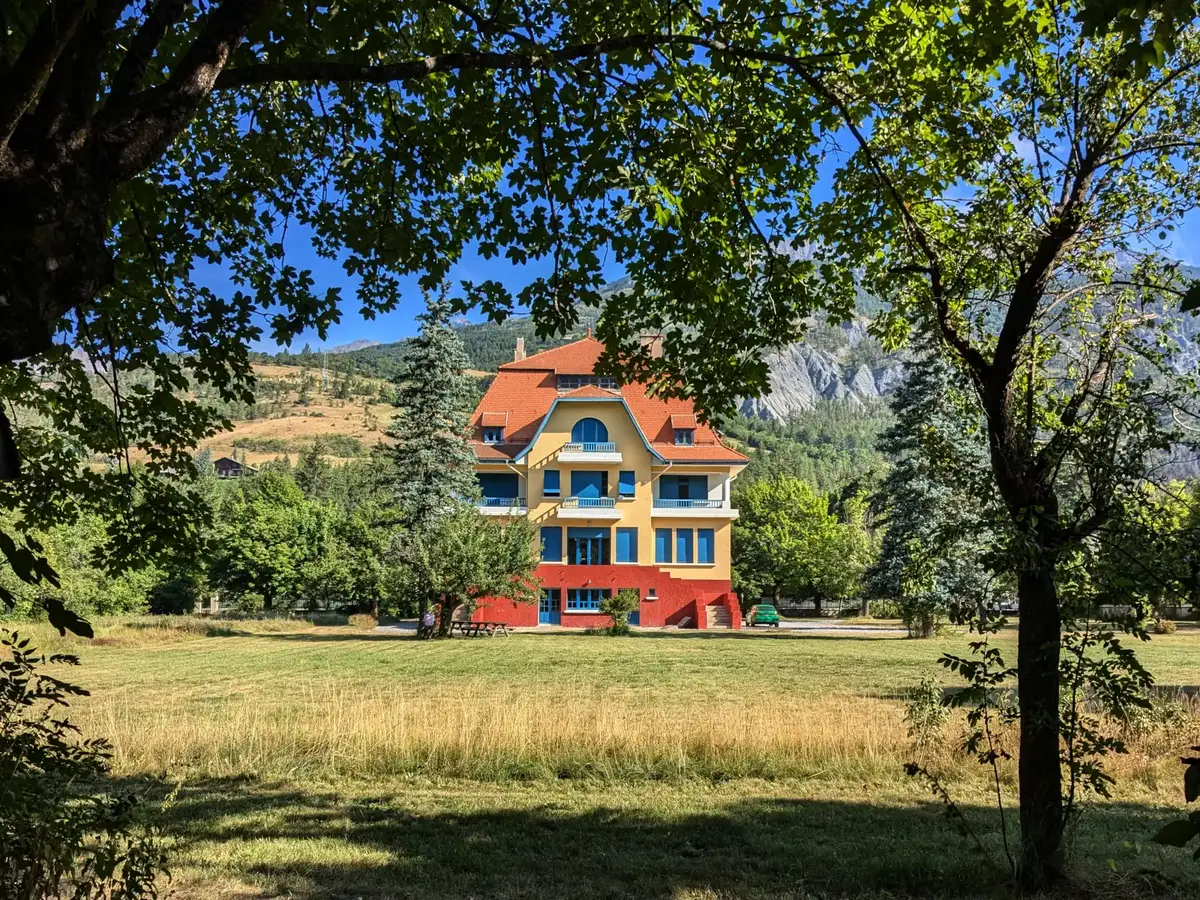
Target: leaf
<point x="65" y="620"/>
<point x="1191" y="299"/>
<point x="1176" y="834"/>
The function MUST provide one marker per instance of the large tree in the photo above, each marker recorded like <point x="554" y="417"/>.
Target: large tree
<point x="429" y="468"/>
<point x="1015" y="212"/>
<point x="935" y="498"/>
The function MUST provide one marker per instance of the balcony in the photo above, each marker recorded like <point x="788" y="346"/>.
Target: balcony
<point x="693" y="509"/>
<point x="502" y="506"/>
<point x="588" y="508"/>
<point x="594" y="452"/>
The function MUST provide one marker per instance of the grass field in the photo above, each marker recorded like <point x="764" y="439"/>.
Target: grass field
<point x="318" y="762"/>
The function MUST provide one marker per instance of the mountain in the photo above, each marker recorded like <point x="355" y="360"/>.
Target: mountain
<point x="361" y="344"/>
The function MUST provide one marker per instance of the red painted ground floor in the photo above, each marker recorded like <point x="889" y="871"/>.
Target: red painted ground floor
<point x="571" y="596"/>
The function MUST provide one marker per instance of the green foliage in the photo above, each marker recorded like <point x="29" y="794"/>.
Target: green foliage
<point x="59" y="835"/>
<point x="620" y="606"/>
<point x="788" y="542"/>
<point x="926" y="714"/>
<point x="935" y="500"/>
<point x="464" y="557"/>
<point x="176" y="595"/>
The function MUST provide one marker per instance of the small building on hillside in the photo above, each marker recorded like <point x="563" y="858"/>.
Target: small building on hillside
<point x="628" y="489"/>
<point x="228" y="467"/>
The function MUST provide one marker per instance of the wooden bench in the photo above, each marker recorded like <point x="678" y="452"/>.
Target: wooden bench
<point x="461" y="619"/>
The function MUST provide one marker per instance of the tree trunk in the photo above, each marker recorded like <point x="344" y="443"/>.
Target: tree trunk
<point x="1039" y="641"/>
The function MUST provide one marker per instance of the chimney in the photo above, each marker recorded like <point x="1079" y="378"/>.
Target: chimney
<point x="653" y="343"/>
<point x="519" y="353"/>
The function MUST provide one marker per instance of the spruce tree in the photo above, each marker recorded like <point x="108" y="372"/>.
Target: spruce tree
<point x="937" y="530"/>
<point x="430" y="468"/>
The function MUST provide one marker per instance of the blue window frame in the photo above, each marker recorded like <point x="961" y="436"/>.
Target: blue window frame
<point x="662" y="545"/>
<point x="626" y="484"/>
<point x="550" y="483"/>
<point x="685" y="437"/>
<point x="705" y="546"/>
<point x="586" y="599"/>
<point x="589" y="431"/>
<point x="499" y="484"/>
<point x="683" y="487"/>
<point x="683" y="545"/>
<point x="493" y="435"/>
<point x="552" y="544"/>
<point x="588" y="546"/>
<point x="589" y="484"/>
<point x="627" y="540"/>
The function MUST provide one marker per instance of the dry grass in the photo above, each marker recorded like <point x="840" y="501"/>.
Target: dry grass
<point x="319" y="761"/>
<point x="272" y="698"/>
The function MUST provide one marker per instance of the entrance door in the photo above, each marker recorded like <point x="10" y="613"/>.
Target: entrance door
<point x="635" y="618"/>
<point x="550" y="607"/>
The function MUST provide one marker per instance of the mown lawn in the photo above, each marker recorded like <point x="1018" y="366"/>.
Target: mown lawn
<point x="326" y="762"/>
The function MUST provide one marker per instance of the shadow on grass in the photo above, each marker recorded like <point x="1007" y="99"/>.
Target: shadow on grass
<point x="321" y="843"/>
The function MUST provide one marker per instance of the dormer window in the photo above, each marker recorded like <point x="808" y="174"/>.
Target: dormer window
<point x="571" y="382"/>
<point x="492" y="425"/>
<point x="685" y="437"/>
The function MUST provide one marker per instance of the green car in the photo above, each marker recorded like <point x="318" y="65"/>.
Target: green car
<point x="762" y="614"/>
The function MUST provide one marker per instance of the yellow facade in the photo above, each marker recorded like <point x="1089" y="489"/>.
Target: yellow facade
<point x="546" y="451"/>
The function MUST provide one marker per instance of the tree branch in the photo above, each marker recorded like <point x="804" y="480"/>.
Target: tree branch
<point x="141" y="49"/>
<point x="386" y="73"/>
<point x="141" y="128"/>
<point x="24" y="81"/>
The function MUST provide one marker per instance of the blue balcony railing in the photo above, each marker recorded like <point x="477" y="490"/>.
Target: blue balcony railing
<point x="589" y="503"/>
<point x="501" y="502"/>
<point x="662" y="503"/>
<point x="590" y="447"/>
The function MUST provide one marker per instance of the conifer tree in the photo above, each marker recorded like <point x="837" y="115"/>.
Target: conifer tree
<point x="937" y="528"/>
<point x="429" y="468"/>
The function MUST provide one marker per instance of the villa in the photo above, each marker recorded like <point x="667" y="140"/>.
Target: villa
<point x="627" y="490"/>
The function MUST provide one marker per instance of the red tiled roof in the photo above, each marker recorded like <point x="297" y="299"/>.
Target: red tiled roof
<point x="493" y="419"/>
<point x="577" y="358"/>
<point x="526" y="390"/>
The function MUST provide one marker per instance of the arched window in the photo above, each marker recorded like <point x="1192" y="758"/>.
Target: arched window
<point x="589" y="431"/>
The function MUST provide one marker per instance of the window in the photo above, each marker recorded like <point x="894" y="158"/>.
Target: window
<point x="551" y="544"/>
<point x="589" y="431"/>
<point x="550" y="483"/>
<point x="683" y="487"/>
<point x="499" y="485"/>
<point x="550" y="601"/>
<point x="627" y="545"/>
<point x="705" y="546"/>
<point x="626" y="484"/>
<point x="683" y="545"/>
<point x="589" y="484"/>
<point x="662" y="545"/>
<point x="586" y="599"/>
<point x="570" y="382"/>
<point x="493" y="435"/>
<point x="685" y="437"/>
<point x="588" y="546"/>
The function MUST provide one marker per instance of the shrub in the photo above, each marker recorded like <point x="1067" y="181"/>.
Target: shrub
<point x="176" y="596"/>
<point x="620" y="606"/>
<point x="926" y="715"/>
<point x="885" y="609"/>
<point x="249" y="603"/>
<point x="1163" y="625"/>
<point x="58" y="836"/>
<point x="364" y="620"/>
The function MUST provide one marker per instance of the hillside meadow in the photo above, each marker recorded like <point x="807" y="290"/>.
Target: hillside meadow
<point x="328" y="761"/>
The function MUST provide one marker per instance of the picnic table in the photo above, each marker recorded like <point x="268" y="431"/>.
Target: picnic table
<point x="461" y="619"/>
